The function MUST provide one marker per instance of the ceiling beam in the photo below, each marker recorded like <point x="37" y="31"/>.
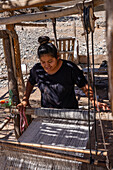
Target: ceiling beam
<point x="48" y="14"/>
<point x="11" y="5"/>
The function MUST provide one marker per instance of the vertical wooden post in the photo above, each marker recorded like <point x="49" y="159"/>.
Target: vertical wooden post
<point x="17" y="59"/>
<point x="64" y="49"/>
<point x="54" y="30"/>
<point x="18" y="73"/>
<point x="16" y="62"/>
<point x="12" y="82"/>
<point x="109" y="34"/>
<point x="11" y="78"/>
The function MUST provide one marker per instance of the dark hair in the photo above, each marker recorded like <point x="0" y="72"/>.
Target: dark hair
<point x="46" y="47"/>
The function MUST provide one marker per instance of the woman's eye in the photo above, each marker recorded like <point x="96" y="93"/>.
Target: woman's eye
<point x="42" y="62"/>
<point x="49" y="61"/>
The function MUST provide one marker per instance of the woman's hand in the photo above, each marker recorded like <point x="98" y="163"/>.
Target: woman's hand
<point x="25" y="101"/>
<point x="23" y="104"/>
<point x="100" y="106"/>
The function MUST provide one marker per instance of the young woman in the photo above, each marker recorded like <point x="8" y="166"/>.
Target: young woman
<point x="56" y="79"/>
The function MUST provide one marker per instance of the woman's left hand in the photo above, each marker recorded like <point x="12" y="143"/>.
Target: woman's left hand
<point x="100" y="105"/>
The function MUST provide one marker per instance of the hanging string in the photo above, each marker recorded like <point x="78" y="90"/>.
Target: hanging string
<point x="96" y="143"/>
<point x="92" y="40"/>
<point x="89" y="98"/>
<point x="86" y="26"/>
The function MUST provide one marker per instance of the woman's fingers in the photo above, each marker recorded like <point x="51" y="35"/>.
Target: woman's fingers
<point x="103" y="106"/>
<point x="22" y="105"/>
<point x="100" y="105"/>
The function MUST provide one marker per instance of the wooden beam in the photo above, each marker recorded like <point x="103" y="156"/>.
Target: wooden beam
<point x="11" y="78"/>
<point x="96" y="9"/>
<point x="5" y="122"/>
<point x="20" y="81"/>
<point x="30" y="25"/>
<point x="109" y="13"/>
<point x="41" y="146"/>
<point x="16" y="62"/>
<point x="21" y="4"/>
<point x="11" y="33"/>
<point x="23" y="149"/>
<point x="66" y="114"/>
<point x="49" y="14"/>
<point x="99" y="8"/>
<point x="3" y="34"/>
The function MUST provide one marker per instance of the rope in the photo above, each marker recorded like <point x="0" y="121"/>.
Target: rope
<point x="89" y="100"/>
<point x="95" y="124"/>
<point x="96" y="143"/>
<point x="86" y="26"/>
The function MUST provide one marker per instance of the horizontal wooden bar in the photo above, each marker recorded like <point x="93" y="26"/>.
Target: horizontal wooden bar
<point x="29" y="150"/>
<point x="64" y="38"/>
<point x="31" y="25"/>
<point x="76" y="9"/>
<point x="5" y="122"/>
<point x="41" y="146"/>
<point x="71" y="114"/>
<point x="98" y="71"/>
<point x="21" y="4"/>
<point x="66" y="52"/>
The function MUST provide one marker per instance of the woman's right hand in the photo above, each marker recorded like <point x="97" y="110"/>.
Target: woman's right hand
<point x="23" y="104"/>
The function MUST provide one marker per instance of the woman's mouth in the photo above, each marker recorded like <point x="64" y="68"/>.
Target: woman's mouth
<point x="48" y="68"/>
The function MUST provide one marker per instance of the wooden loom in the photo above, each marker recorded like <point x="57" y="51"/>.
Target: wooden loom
<point x="15" y="78"/>
<point x="56" y="138"/>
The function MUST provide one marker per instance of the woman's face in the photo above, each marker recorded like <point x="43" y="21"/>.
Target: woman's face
<point x="49" y="63"/>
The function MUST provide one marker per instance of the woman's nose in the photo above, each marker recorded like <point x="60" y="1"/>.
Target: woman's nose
<point x="46" y="64"/>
